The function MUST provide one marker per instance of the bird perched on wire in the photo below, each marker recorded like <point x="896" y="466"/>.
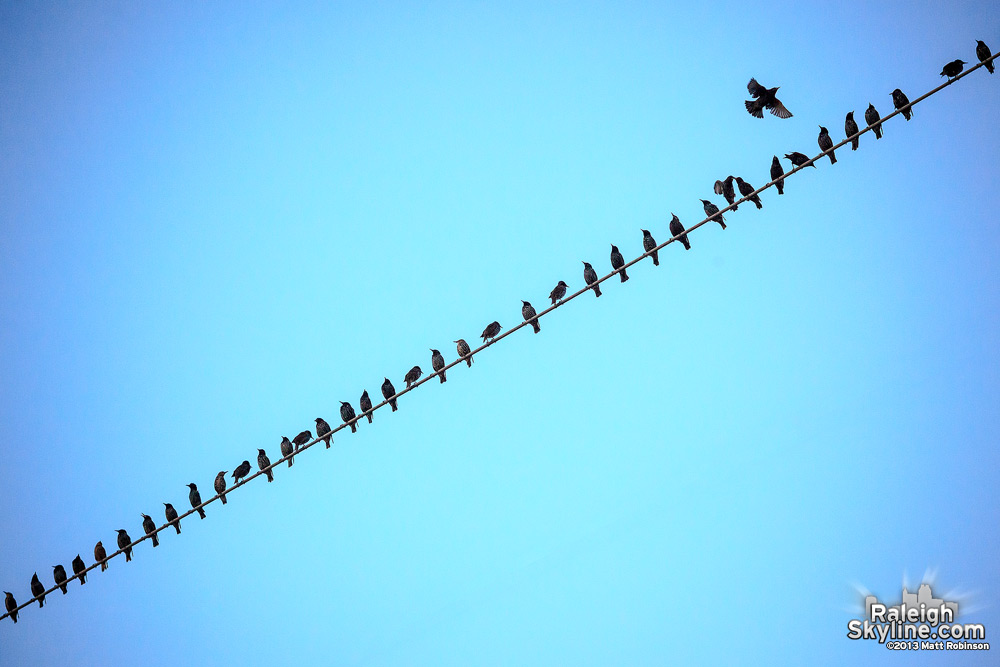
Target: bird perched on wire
<point x="195" y="499"/>
<point x="264" y="464"/>
<point x="150" y="528"/>
<point x="491" y="331"/>
<point x="712" y="211"/>
<point x="677" y="228"/>
<point x="984" y="54"/>
<point x="347" y="414"/>
<point x="851" y="130"/>
<point x="953" y="69"/>
<point x="125" y="544"/>
<point x="287" y="449"/>
<point x="617" y="262"/>
<point x="590" y="277"/>
<point x="388" y="391"/>
<point x="747" y="191"/>
<point x="11" y="604"/>
<point x="765" y="98"/>
<point x="305" y="436"/>
<point x="412" y="376"/>
<point x="464" y="351"/>
<point x="776" y="174"/>
<point x="220" y="485"/>
<point x="79" y="568"/>
<point x="37" y="590"/>
<point x="437" y="363"/>
<point x="726" y="189"/>
<point x="101" y="555"/>
<point x="558" y="292"/>
<point x="649" y="245"/>
<point x="366" y="405"/>
<point x="826" y="143"/>
<point x="529" y="315"/>
<point x="798" y="159"/>
<point x="59" y="576"/>
<point x="872" y="118"/>
<point x="242" y="470"/>
<point x="172" y="517"/>
<point x="899" y="101"/>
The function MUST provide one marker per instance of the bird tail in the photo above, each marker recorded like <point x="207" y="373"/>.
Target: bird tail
<point x="354" y="426"/>
<point x="443" y="378"/>
<point x="755" y="108"/>
<point x="392" y="404"/>
<point x="41" y="602"/>
<point x="756" y="200"/>
<point x="62" y="587"/>
<point x="468" y="360"/>
<point x="908" y="114"/>
<point x="201" y="513"/>
<point x="989" y="67"/>
<point x="854" y="144"/>
<point x="656" y="258"/>
<point x="156" y="542"/>
<point x="623" y="276"/>
<point x="369" y="415"/>
<point x="833" y="158"/>
<point x="222" y="497"/>
<point x="328" y="441"/>
<point x="177" y="526"/>
<point x="83" y="579"/>
<point x="104" y="566"/>
<point x="687" y="244"/>
<point x="270" y="475"/>
<point x="534" y="323"/>
<point x="128" y="556"/>
<point x="597" y="290"/>
<point x="878" y="131"/>
<point x="290" y="460"/>
<point x="724" y="224"/>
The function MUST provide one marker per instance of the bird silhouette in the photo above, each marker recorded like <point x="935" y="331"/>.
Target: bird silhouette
<point x="195" y="499"/>
<point x="79" y="568"/>
<point x="765" y="98"/>
<point x="747" y="191"/>
<point x="491" y="331"/>
<point x="712" y="211"/>
<point x="953" y="69"/>
<point x="677" y="228"/>
<point x="776" y="174"/>
<point x="617" y="262"/>
<point x="437" y="363"/>
<point x="558" y="292"/>
<point x="220" y="485"/>
<point x="899" y="101"/>
<point x="264" y="464"/>
<point x="873" y="120"/>
<point x="172" y="517"/>
<point x="150" y="528"/>
<point x="464" y="351"/>
<point x="412" y="376"/>
<point x="726" y="189"/>
<point x="366" y="405"/>
<point x="59" y="576"/>
<point x="37" y="590"/>
<point x="826" y="143"/>
<point x="648" y="245"/>
<point x="529" y="315"/>
<point x="590" y="277"/>
<point x="125" y="544"/>
<point x="983" y="53"/>
<point x="287" y="449"/>
<point x="11" y="604"/>
<point x="798" y="159"/>
<point x="347" y="414"/>
<point x="388" y="391"/>
<point x="242" y="470"/>
<point x="851" y="130"/>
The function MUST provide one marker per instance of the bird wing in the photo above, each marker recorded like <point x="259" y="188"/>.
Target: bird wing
<point x="756" y="90"/>
<point x="718" y="187"/>
<point x="779" y="110"/>
<point x="754" y="108"/>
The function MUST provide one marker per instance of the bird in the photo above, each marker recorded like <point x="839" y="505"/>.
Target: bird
<point x="79" y="568"/>
<point x="412" y="376"/>
<point x="677" y="228"/>
<point x="851" y="130"/>
<point x="242" y="470"/>
<point x="590" y="277"/>
<point x="287" y="449"/>
<point x="220" y="485"/>
<point x="617" y="262"/>
<point x="765" y="98"/>
<point x="388" y="391"/>
<point x="195" y="499"/>
<point x="798" y="159"/>
<point x="437" y="363"/>
<point x="725" y="188"/>
<point x="776" y="174"/>
<point x="826" y="143"/>
<point x="171" y="514"/>
<point x="558" y="292"/>
<point x="649" y="245"/>
<point x="59" y="575"/>
<point x="984" y="54"/>
<point x="953" y="69"/>
<point x="491" y="331"/>
<point x="101" y="555"/>
<point x="37" y="590"/>
<point x="712" y="211"/>
<point x="529" y="315"/>
<point x="305" y="436"/>
<point x="265" y="465"/>
<point x="11" y="605"/>
<point x="747" y="191"/>
<point x="347" y="414"/>
<point x="125" y="544"/>
<point x="872" y="118"/>
<point x="464" y="351"/>
<point x="366" y="405"/>
<point x="150" y="528"/>
<point x="899" y="100"/>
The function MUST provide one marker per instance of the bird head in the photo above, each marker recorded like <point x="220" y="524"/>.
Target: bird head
<point x="260" y="452"/>
<point x="222" y="472"/>
<point x="343" y="403"/>
<point x="166" y="504"/>
<point x="192" y="486"/>
<point x="850" y="114"/>
<point x="614" y="248"/>
<point x="318" y="419"/>
<point x="562" y="283"/>
<point x="823" y="130"/>
<point x="121" y="531"/>
<point x="645" y="232"/>
<point x="673" y="218"/>
<point x="433" y="351"/>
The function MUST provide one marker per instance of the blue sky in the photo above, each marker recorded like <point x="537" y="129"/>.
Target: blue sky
<point x="217" y="222"/>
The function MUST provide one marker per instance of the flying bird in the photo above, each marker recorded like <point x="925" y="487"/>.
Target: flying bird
<point x="79" y="568"/>
<point x="491" y="331"/>
<point x="242" y="470"/>
<point x="826" y="143"/>
<point x="11" y="605"/>
<point x="195" y="499"/>
<point x="264" y="464"/>
<point x="411" y="376"/>
<point x="725" y="188"/>
<point x="677" y="228"/>
<point x="872" y="118"/>
<point x="899" y="101"/>
<point x="287" y="449"/>
<point x="648" y="244"/>
<point x="437" y="363"/>
<point x="347" y="414"/>
<point x="172" y="517"/>
<point x="712" y="211"/>
<point x="529" y="315"/>
<point x="851" y="130"/>
<point x="953" y="69"/>
<point x="388" y="391"/>
<point x="747" y="191"/>
<point x="150" y="528"/>
<point x="776" y="174"/>
<point x="366" y="405"/>
<point x="798" y="159"/>
<point x="59" y="575"/>
<point x="765" y="98"/>
<point x="558" y="292"/>
<point x="37" y="590"/>
<point x="220" y="485"/>
<point x="590" y="277"/>
<point x="125" y="544"/>
<point x="464" y="351"/>
<point x="617" y="262"/>
<point x="101" y="555"/>
<point x="984" y="54"/>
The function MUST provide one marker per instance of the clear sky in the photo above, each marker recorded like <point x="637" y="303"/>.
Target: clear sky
<point x="217" y="221"/>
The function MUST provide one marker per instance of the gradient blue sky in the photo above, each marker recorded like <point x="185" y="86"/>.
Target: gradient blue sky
<point x="218" y="221"/>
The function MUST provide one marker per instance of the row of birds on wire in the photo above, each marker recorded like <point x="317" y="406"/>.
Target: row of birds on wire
<point x="763" y="98"/>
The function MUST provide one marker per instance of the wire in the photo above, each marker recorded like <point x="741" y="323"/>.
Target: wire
<point x="508" y="332"/>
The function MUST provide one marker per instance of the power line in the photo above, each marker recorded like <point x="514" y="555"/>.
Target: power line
<point x="508" y="332"/>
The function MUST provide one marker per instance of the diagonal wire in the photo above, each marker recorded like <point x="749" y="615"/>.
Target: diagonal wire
<point x="510" y="331"/>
